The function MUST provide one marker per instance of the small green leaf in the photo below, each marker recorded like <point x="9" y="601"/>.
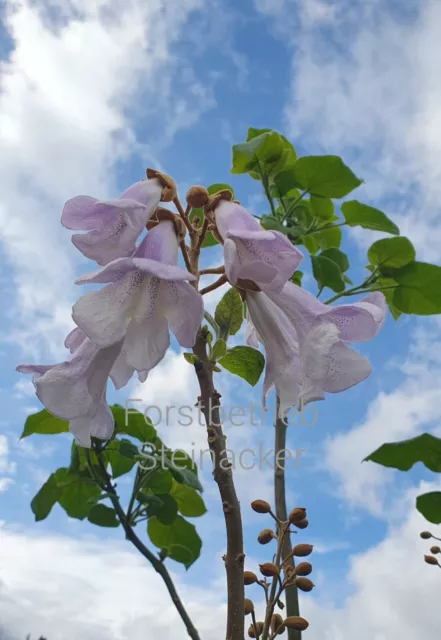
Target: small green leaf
<point x="310" y="244"/>
<point x="45" y="499"/>
<point x="327" y="273"/>
<point x="138" y="426"/>
<point x="103" y="516"/>
<point x="263" y="150"/>
<point x="219" y="349"/>
<point x="391" y="253"/>
<point x="404" y="454"/>
<point x="337" y="256"/>
<point x="228" y="314"/>
<point x="328" y="238"/>
<point x="190" y="503"/>
<point x="179" y="539"/>
<point x="357" y="214"/>
<point x="429" y="505"/>
<point x="166" y="512"/>
<point x="322" y="207"/>
<point x="246" y="362"/>
<point x="116" y="455"/>
<point x="296" y="278"/>
<point x="76" y="492"/>
<point x="45" y="423"/>
<point x="159" y="481"/>
<point x="325" y="176"/>
<point x="190" y="357"/>
<point x="180" y="471"/>
<point x="419" y="290"/>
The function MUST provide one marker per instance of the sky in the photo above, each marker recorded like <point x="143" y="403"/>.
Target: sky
<point x="90" y="95"/>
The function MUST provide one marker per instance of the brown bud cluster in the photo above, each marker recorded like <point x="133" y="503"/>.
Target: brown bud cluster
<point x="303" y="569"/>
<point x="249" y="578"/>
<point x="197" y="197"/>
<point x="260" y="506"/>
<point x="302" y="550"/>
<point x="296" y="622"/>
<point x="430" y="560"/>
<point x="265" y="536"/>
<point x="269" y="570"/>
<point x="304" y="584"/>
<point x="297" y="515"/>
<point x="248" y="606"/>
<point x="252" y="633"/>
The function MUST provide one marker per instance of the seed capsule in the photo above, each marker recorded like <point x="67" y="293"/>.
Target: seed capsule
<point x="296" y="515"/>
<point x="277" y="624"/>
<point x="302" y="524"/>
<point x="425" y="535"/>
<point x="248" y="606"/>
<point x="302" y="550"/>
<point x="304" y="584"/>
<point x="430" y="560"/>
<point x="269" y="570"/>
<point x="249" y="577"/>
<point x="303" y="569"/>
<point x="296" y="622"/>
<point x="265" y="536"/>
<point x="260" y="506"/>
<point x="435" y="550"/>
<point x="252" y="633"/>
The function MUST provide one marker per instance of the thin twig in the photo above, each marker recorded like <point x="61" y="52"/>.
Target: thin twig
<point x="185" y="255"/>
<point x="183" y="215"/>
<point x="212" y="271"/>
<point x="212" y="287"/>
<point x="202" y="234"/>
<point x="256" y="629"/>
<point x="273" y="597"/>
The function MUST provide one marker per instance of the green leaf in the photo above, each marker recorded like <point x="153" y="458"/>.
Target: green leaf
<point x="75" y="460"/>
<point x="165" y="512"/>
<point x="219" y="349"/>
<point x="180" y="469"/>
<point x="327" y="273"/>
<point x="76" y="493"/>
<point x="391" y="253"/>
<point x="179" y="539"/>
<point x="337" y="256"/>
<point x="404" y="454"/>
<point x="322" y="207"/>
<point x="190" y="357"/>
<point x="310" y="244"/>
<point x="116" y="455"/>
<point x="228" y="314"/>
<point x="296" y="278"/>
<point x="357" y="214"/>
<point x="189" y="502"/>
<point x="290" y="154"/>
<point x="45" y="423"/>
<point x="325" y="176"/>
<point x="429" y="505"/>
<point x="263" y="150"/>
<point x="328" y="238"/>
<point x="103" y="516"/>
<point x="159" y="481"/>
<point x="419" y="290"/>
<point x="45" y="499"/>
<point x="246" y="362"/>
<point x="138" y="426"/>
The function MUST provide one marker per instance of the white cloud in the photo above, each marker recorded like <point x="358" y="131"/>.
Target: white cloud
<point x="7" y="468"/>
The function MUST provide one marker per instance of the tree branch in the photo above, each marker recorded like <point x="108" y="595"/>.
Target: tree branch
<point x="212" y="287"/>
<point x="234" y="559"/>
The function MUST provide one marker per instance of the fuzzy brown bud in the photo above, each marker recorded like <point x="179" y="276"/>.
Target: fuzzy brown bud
<point x="269" y="570"/>
<point x="303" y="569"/>
<point x="169" y="187"/>
<point x="248" y="606"/>
<point x="302" y="550"/>
<point x="249" y="577"/>
<point x="435" y="550"/>
<point x="277" y="624"/>
<point x="430" y="560"/>
<point x="304" y="584"/>
<point x="296" y="515"/>
<point x="260" y="506"/>
<point x="425" y="535"/>
<point x="296" y="622"/>
<point x="302" y="524"/>
<point x="251" y="631"/>
<point x="265" y="536"/>
<point x="197" y="197"/>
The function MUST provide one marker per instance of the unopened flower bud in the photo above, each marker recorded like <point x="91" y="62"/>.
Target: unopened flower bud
<point x="277" y="624"/>
<point x="425" y="535"/>
<point x="269" y="569"/>
<point x="302" y="524"/>
<point x="252" y="632"/>
<point x="430" y="560"/>
<point x="304" y="584"/>
<point x="302" y="550"/>
<point x="303" y="569"/>
<point x="169" y="186"/>
<point x="249" y="577"/>
<point x="296" y="515"/>
<point x="248" y="606"/>
<point x="260" y="506"/>
<point x="265" y="536"/>
<point x="435" y="550"/>
<point x="197" y="197"/>
<point x="296" y="622"/>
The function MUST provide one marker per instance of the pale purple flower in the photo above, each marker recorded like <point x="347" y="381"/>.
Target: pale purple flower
<point x="147" y="296"/>
<point x="306" y="342"/>
<point x="75" y="390"/>
<point x="266" y="257"/>
<point x="113" y="225"/>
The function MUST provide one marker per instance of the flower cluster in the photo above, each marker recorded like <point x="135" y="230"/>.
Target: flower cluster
<point x="124" y="327"/>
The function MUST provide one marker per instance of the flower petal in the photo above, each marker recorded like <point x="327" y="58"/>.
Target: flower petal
<point x="144" y="191"/>
<point x="184" y="309"/>
<point x="146" y="343"/>
<point x="75" y="339"/>
<point x="121" y="372"/>
<point x="79" y="214"/>
<point x="360" y="321"/>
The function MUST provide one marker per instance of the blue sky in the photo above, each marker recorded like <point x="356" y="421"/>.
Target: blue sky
<point x="91" y="96"/>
